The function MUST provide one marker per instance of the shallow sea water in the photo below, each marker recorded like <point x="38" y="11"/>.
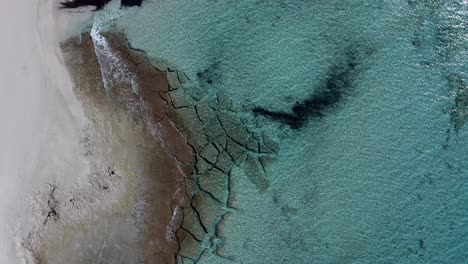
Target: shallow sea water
<point x="382" y="176"/>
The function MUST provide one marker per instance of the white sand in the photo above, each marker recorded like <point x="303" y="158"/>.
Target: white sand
<point x="41" y="120"/>
<point x="54" y="164"/>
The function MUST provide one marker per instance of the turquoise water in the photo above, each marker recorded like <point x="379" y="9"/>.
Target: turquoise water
<point x="382" y="176"/>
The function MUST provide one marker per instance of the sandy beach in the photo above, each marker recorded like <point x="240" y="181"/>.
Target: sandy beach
<point x="41" y="118"/>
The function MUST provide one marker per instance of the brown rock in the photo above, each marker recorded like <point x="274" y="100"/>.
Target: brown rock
<point x="165" y="154"/>
<point x="189" y="246"/>
<point x="192" y="224"/>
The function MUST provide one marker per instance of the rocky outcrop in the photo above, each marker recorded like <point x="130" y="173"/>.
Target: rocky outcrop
<point x="194" y="140"/>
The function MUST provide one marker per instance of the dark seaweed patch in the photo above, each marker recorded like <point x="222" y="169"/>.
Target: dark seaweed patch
<point x="210" y="75"/>
<point x="99" y="4"/>
<point x="459" y="113"/>
<point x="329" y="94"/>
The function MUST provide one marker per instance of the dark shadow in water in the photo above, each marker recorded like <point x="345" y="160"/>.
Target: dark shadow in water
<point x="328" y="95"/>
<point x="99" y="4"/>
<point x="459" y="112"/>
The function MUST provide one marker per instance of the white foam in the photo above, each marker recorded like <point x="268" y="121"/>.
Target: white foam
<point x="111" y="67"/>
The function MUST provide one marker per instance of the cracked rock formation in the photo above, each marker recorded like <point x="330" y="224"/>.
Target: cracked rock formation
<point x="188" y="144"/>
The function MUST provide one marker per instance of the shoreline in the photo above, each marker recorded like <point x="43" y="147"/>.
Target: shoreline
<point x="137" y="151"/>
<point x="170" y="152"/>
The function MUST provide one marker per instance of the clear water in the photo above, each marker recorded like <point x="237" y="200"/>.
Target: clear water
<point x="383" y="176"/>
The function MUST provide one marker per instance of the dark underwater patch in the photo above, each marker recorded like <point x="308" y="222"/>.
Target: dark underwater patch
<point x="459" y="112"/>
<point x="210" y="75"/>
<point x="327" y="96"/>
<point x="99" y="4"/>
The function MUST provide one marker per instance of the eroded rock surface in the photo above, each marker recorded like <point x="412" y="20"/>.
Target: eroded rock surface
<point x="174" y="148"/>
